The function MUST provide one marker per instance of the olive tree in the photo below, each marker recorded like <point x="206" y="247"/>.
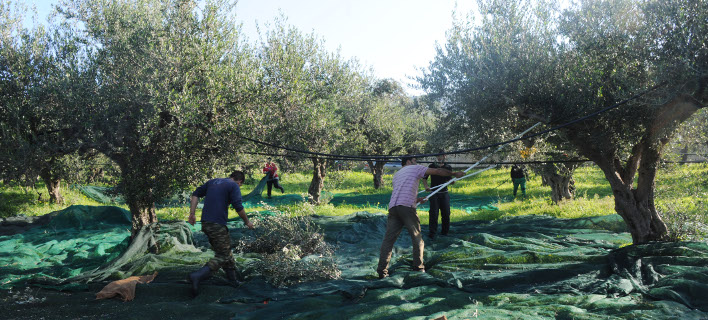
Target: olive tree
<point x="486" y="71"/>
<point x="43" y="74"/>
<point x="691" y="138"/>
<point x="556" y="66"/>
<point x="386" y="122"/>
<point x="173" y="88"/>
<point x="639" y="44"/>
<point x="305" y="88"/>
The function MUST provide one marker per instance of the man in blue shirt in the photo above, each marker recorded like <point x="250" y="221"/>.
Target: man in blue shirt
<point x="218" y="194"/>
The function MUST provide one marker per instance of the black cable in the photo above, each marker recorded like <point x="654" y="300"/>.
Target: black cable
<point x="367" y="157"/>
<point x="397" y="161"/>
<point x="692" y="161"/>
<point x="451" y="162"/>
<point x="516" y="162"/>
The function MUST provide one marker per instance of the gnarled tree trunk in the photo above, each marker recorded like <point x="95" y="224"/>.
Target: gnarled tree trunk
<point x="636" y="205"/>
<point x="684" y="155"/>
<point x="562" y="187"/>
<point x="138" y="196"/>
<point x="560" y="178"/>
<point x="318" y="175"/>
<point x="377" y="171"/>
<point x="53" y="185"/>
<point x="142" y="214"/>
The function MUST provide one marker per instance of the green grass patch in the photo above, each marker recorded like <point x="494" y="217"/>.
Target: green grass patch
<point x="681" y="188"/>
<point x="15" y="200"/>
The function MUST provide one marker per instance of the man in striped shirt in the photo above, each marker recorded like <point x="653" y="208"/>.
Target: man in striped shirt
<point x="402" y="212"/>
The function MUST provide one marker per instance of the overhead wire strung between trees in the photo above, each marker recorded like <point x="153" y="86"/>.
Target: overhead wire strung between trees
<point x="378" y="157"/>
<point x="424" y="161"/>
<point x="454" y="162"/>
<point x="441" y="186"/>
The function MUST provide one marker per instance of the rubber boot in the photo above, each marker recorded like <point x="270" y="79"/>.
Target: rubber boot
<point x="198" y="276"/>
<point x="231" y="276"/>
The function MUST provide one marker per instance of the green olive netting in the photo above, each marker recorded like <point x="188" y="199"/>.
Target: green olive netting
<point x="529" y="267"/>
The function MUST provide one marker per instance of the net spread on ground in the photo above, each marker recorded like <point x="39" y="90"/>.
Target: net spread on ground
<point x="530" y="267"/>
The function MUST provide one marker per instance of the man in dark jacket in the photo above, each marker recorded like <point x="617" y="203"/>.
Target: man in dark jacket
<point x="218" y="194"/>
<point x="518" y="178"/>
<point x="439" y="202"/>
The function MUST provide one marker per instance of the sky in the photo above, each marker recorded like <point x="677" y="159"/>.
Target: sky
<point x="393" y="37"/>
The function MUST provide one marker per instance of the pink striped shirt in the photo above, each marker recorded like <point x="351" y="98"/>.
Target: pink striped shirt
<point x="405" y="186"/>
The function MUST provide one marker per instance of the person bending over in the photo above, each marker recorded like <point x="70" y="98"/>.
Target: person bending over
<point x="402" y="212"/>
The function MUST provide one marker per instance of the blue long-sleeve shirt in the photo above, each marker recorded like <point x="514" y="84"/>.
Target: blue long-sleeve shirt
<point x="218" y="194"/>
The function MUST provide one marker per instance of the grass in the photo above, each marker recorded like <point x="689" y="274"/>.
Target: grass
<point x="15" y="200"/>
<point x="680" y="188"/>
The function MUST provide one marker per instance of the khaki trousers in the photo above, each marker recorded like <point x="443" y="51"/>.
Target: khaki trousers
<point x="399" y="217"/>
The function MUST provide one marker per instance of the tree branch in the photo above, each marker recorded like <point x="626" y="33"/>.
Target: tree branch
<point x="671" y="114"/>
<point x="529" y="115"/>
<point x="630" y="169"/>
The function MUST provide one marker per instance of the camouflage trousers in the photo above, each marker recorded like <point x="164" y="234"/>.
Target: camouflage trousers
<point x="220" y="241"/>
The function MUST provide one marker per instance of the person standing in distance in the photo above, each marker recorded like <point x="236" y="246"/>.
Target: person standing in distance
<point x="518" y="178"/>
<point x="271" y="171"/>
<point x="218" y="194"/>
<point x="402" y="212"/>
<point x="440" y="201"/>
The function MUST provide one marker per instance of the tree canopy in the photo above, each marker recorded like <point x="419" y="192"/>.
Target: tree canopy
<point x="304" y="90"/>
<point x="43" y="119"/>
<point x="386" y="122"/>
<point x="170" y="87"/>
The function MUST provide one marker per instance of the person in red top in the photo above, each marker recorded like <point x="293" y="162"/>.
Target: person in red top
<point x="270" y="169"/>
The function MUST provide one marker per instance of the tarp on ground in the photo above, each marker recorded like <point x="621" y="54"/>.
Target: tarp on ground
<point x="81" y="244"/>
<point x="254" y="198"/>
<point x="109" y="196"/>
<point x="457" y="201"/>
<point x="529" y="267"/>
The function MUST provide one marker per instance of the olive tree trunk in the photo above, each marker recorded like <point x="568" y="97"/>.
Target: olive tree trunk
<point x="562" y="187"/>
<point x="142" y="214"/>
<point x="318" y="175"/>
<point x="138" y="195"/>
<point x="636" y="204"/>
<point x="53" y="184"/>
<point x="684" y="155"/>
<point x="377" y="169"/>
<point x="560" y="178"/>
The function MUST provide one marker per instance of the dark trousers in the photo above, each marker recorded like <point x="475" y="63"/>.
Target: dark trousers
<point x="519" y="182"/>
<point x="274" y="182"/>
<point x="439" y="202"/>
<point x="220" y="241"/>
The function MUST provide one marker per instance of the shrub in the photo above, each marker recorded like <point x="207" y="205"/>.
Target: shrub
<point x="683" y="226"/>
<point x="681" y="200"/>
<point x="293" y="248"/>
